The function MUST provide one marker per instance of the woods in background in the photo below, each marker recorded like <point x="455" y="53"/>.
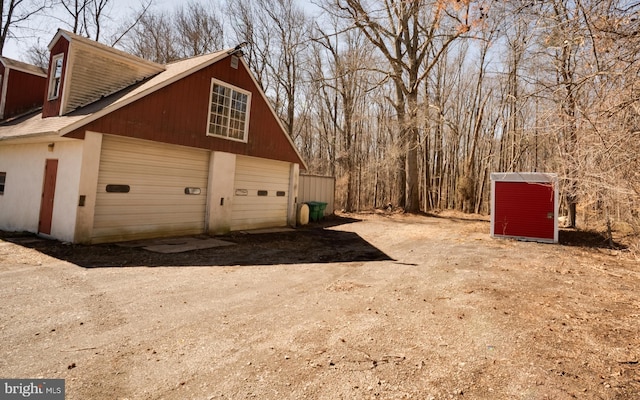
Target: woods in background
<point x="415" y="103"/>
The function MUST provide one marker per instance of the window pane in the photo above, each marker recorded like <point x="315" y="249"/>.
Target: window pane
<point x="57" y="73"/>
<point x="56" y="76"/>
<point x="3" y="177"/>
<point x="228" y="111"/>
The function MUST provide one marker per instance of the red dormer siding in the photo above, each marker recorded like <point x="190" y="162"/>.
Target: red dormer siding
<point x="51" y="108"/>
<point x="21" y="87"/>
<point x="24" y="93"/>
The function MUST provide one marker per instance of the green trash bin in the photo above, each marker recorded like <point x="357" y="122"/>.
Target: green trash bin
<point x="316" y="210"/>
<point x="323" y="206"/>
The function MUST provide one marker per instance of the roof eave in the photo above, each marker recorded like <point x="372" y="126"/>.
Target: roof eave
<point x="30" y="137"/>
<point x="22" y="67"/>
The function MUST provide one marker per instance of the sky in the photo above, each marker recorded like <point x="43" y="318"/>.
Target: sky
<point x="43" y="29"/>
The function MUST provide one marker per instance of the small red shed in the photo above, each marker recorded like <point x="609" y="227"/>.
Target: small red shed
<point x="524" y="205"/>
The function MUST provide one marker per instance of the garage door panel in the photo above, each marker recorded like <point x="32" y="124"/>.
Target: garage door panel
<point x="256" y="221"/>
<point x="130" y="220"/>
<point x="251" y="211"/>
<point x="186" y="162"/>
<point x="148" y="170"/>
<point x="153" y="169"/>
<point x="156" y="204"/>
<point x="270" y="173"/>
<point x="262" y="164"/>
<point x="124" y="209"/>
<point x="177" y="190"/>
<point x="257" y="182"/>
<point x="264" y="182"/>
<point x="151" y="152"/>
<point x="264" y="202"/>
<point x="137" y="198"/>
<point x="130" y="232"/>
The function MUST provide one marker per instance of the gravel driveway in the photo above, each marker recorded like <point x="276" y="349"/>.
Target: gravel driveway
<point x="363" y="306"/>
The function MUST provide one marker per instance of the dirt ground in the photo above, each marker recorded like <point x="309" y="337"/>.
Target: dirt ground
<point x="363" y="306"/>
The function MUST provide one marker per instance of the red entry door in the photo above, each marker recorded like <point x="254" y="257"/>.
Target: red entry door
<point x="48" y="194"/>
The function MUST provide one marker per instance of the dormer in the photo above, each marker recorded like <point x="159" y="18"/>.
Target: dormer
<point x="82" y="71"/>
<point x="21" y="87"/>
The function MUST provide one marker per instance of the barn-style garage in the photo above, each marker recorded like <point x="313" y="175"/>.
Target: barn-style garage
<point x="525" y="206"/>
<point x="146" y="150"/>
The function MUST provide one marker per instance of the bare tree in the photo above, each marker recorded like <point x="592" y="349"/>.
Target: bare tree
<point x="277" y="33"/>
<point x="343" y="88"/>
<point x="245" y="27"/>
<point x="38" y="55"/>
<point x="86" y="17"/>
<point x="608" y="118"/>
<point x="198" y="30"/>
<point x="153" y="38"/>
<point x="127" y="25"/>
<point x="77" y="11"/>
<point x="412" y="36"/>
<point x="14" y="14"/>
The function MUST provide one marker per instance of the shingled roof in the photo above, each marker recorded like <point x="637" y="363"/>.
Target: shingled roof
<point x="35" y="125"/>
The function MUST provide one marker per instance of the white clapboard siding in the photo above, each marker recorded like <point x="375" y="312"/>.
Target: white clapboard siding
<point x="251" y="211"/>
<point x="156" y="204"/>
<point x="115" y="73"/>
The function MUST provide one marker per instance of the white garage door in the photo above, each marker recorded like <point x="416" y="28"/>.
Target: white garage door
<point x="148" y="189"/>
<point x="261" y="193"/>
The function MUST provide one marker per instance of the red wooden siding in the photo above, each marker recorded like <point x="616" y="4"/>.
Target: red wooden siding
<point x="524" y="209"/>
<point x="177" y="114"/>
<point x="52" y="108"/>
<point x="24" y="92"/>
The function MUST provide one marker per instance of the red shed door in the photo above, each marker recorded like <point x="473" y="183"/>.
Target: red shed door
<point x="524" y="209"/>
<point x="48" y="194"/>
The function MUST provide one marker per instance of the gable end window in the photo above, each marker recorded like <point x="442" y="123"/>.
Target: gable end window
<point x="55" y="76"/>
<point x="228" y="111"/>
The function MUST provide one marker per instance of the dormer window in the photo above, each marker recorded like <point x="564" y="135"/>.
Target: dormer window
<point x="55" y="76"/>
<point x="228" y="111"/>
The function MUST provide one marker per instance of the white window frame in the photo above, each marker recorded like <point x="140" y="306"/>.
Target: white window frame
<point x="55" y="80"/>
<point x="223" y="120"/>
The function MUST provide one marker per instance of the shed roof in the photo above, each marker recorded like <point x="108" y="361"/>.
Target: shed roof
<point x="23" y="66"/>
